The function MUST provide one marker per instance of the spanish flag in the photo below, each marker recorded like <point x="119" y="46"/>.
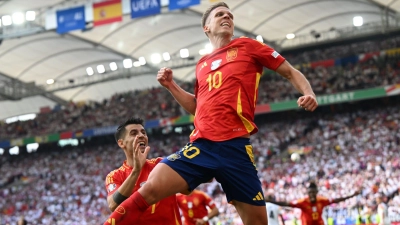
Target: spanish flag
<point x="107" y="12"/>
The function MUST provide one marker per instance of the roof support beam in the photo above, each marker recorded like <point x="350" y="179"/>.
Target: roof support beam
<point x="13" y="89"/>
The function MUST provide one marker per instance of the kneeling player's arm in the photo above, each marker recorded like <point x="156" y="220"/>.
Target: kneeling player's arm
<point x="123" y="192"/>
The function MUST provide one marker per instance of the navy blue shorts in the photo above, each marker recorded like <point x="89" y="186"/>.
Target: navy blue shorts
<point x="230" y="162"/>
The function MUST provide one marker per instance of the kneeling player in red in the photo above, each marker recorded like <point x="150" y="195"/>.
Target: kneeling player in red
<point x="122" y="182"/>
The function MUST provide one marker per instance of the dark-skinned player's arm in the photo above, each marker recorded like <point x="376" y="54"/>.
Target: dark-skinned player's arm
<point x="184" y="98"/>
<point x="337" y="200"/>
<point x="308" y="101"/>
<point x="283" y="221"/>
<point x="126" y="188"/>
<point x="284" y="204"/>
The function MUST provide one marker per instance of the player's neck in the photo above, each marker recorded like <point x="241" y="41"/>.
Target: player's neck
<point x="129" y="162"/>
<point x="220" y="41"/>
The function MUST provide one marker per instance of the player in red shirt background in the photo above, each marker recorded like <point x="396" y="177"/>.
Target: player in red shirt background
<point x="122" y="182"/>
<point x="312" y="206"/>
<point x="194" y="207"/>
<point x="223" y="105"/>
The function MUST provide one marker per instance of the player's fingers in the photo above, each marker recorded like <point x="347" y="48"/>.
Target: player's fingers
<point x="311" y="105"/>
<point x="135" y="144"/>
<point x="146" y="151"/>
<point x="305" y="101"/>
<point x="299" y="101"/>
<point x="315" y="105"/>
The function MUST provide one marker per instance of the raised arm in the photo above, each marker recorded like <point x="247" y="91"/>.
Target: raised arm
<point x="185" y="99"/>
<point x="337" y="200"/>
<point x="284" y="204"/>
<point x="308" y="101"/>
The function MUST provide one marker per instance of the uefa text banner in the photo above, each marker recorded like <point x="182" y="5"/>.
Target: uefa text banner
<point x="181" y="4"/>
<point x="70" y="19"/>
<point x="107" y="12"/>
<point x="142" y="8"/>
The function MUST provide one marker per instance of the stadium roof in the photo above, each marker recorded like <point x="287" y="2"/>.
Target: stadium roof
<point x="49" y="55"/>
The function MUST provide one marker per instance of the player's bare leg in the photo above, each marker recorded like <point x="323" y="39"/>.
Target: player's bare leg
<point x="251" y="214"/>
<point x="162" y="182"/>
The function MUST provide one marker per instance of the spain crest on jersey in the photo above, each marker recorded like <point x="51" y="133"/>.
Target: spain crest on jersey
<point x="231" y="54"/>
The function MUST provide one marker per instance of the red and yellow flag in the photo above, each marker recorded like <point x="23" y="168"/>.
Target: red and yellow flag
<point x="107" y="12"/>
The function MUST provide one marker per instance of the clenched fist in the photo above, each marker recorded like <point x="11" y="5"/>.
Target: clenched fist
<point x="164" y="77"/>
<point x="308" y="102"/>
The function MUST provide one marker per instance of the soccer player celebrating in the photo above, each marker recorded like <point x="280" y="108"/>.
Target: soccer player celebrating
<point x="122" y="182"/>
<point x="194" y="207"/>
<point x="223" y="104"/>
<point x="313" y="205"/>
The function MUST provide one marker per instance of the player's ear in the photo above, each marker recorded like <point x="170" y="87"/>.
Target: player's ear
<point x="121" y="143"/>
<point x="206" y="29"/>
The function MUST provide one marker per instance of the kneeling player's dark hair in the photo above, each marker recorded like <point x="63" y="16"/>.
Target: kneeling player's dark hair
<point x="120" y="132"/>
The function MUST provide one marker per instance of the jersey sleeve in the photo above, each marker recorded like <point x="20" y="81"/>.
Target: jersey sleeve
<point x="208" y="201"/>
<point x="112" y="182"/>
<point x="264" y="54"/>
<point x="298" y="203"/>
<point x="324" y="201"/>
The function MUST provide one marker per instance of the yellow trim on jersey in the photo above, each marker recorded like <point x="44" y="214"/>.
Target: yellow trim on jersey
<point x="176" y="219"/>
<point x="246" y="123"/>
<point x="258" y="76"/>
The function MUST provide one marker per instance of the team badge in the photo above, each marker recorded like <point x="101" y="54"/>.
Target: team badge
<point x="231" y="54"/>
<point x="121" y="210"/>
<point x="173" y="157"/>
<point x="111" y="187"/>
<point x="215" y="64"/>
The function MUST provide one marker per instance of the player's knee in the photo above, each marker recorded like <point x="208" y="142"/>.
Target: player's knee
<point x="150" y="193"/>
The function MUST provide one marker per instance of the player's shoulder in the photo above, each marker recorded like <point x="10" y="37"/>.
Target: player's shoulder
<point x="154" y="161"/>
<point x="322" y="198"/>
<point x="247" y="40"/>
<point x="116" y="171"/>
<point x="300" y="201"/>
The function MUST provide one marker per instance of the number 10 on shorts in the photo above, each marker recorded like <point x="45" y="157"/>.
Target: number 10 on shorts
<point x="190" y="151"/>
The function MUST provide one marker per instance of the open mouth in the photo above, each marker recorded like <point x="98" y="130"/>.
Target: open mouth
<point x="142" y="144"/>
<point x="225" y="24"/>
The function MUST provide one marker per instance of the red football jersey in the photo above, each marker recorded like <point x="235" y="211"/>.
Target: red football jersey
<point x="311" y="213"/>
<point x="165" y="211"/>
<point x="227" y="89"/>
<point x="194" y="206"/>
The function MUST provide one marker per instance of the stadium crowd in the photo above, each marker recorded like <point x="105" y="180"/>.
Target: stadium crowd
<point x="156" y="103"/>
<point x="349" y="150"/>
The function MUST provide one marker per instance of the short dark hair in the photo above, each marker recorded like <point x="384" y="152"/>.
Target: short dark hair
<point x="208" y="11"/>
<point x="120" y="132"/>
<point x="312" y="185"/>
